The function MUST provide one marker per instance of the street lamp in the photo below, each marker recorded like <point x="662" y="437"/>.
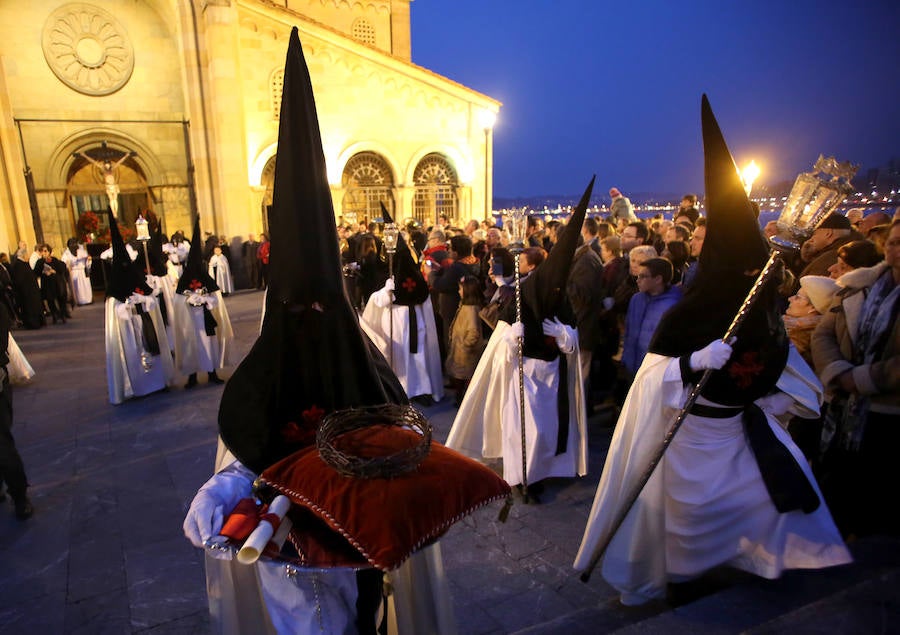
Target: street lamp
<point x="748" y="175"/>
<point x="487" y="118"/>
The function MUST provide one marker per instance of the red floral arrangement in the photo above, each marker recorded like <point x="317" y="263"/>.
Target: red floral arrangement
<point x="126" y="232"/>
<point x="87" y="224"/>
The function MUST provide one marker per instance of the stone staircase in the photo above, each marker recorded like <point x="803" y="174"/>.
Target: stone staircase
<point x="863" y="597"/>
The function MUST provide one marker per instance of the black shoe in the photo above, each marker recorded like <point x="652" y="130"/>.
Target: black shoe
<point x="215" y="379"/>
<point x="24" y="509"/>
<point x="192" y="381"/>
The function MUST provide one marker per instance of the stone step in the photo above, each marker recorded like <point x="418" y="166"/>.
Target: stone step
<point x="863" y="597"/>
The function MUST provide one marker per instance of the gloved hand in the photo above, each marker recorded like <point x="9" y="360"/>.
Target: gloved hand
<point x="213" y="501"/>
<point x="511" y="337"/>
<point x="776" y="404"/>
<point x="389" y="284"/>
<point x="713" y="356"/>
<point x="383" y="298"/>
<point x="564" y="335"/>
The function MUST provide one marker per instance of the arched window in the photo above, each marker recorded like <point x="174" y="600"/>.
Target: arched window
<point x="436" y="184"/>
<point x="276" y="88"/>
<point x="267" y="180"/>
<point x="363" y="31"/>
<point x="367" y="182"/>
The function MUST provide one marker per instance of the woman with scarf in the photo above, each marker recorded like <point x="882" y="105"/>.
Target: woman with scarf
<point x="856" y="350"/>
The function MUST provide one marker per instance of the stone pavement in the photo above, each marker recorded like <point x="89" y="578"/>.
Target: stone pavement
<point x="104" y="552"/>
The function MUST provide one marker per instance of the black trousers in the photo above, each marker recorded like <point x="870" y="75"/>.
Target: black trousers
<point x="12" y="471"/>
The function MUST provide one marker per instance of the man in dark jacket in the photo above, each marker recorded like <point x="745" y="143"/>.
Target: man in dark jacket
<point x="584" y="289"/>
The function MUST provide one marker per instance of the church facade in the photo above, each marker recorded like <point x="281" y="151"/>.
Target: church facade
<point x="172" y="106"/>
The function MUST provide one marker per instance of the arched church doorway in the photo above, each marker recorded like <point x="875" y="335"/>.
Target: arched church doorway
<point x="367" y="181"/>
<point x="267" y="180"/>
<point x="436" y="185"/>
<point x="95" y="176"/>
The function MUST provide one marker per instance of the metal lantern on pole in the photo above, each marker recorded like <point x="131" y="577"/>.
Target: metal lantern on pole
<point x="143" y="235"/>
<point x="518" y="223"/>
<point x="389" y="238"/>
<point x="814" y="196"/>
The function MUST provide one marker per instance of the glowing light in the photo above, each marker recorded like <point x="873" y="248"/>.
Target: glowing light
<point x="749" y="175"/>
<point x="487" y="119"/>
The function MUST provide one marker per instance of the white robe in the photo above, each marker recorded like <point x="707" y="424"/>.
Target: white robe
<point x="705" y="504"/>
<point x="176" y="256"/>
<point x="79" y="273"/>
<point x="261" y="598"/>
<point x="488" y="422"/>
<point x="126" y="375"/>
<point x="195" y="351"/>
<point x="220" y="271"/>
<point x="387" y="325"/>
<point x="163" y="286"/>
<point x="20" y="371"/>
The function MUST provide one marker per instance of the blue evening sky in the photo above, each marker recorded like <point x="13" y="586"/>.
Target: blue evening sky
<point x="613" y="88"/>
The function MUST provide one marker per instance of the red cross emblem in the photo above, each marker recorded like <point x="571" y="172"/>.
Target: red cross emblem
<point x="409" y="284"/>
<point x="196" y="284"/>
<point x="744" y="369"/>
<point x="139" y="291"/>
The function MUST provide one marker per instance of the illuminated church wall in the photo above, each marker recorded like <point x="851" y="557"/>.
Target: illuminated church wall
<point x="143" y="68"/>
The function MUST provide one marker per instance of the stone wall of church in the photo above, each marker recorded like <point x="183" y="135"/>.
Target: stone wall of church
<point x="74" y="75"/>
<point x="78" y="74"/>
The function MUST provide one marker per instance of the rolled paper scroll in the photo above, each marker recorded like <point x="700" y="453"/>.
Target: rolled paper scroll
<point x="260" y="537"/>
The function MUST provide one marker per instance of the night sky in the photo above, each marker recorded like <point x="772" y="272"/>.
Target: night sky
<point x="613" y="88"/>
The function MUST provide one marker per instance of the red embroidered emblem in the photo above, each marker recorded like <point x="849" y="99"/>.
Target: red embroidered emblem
<point x="139" y="291"/>
<point x="409" y="284"/>
<point x="745" y="369"/>
<point x="293" y="433"/>
<point x="313" y="415"/>
<point x="195" y="284"/>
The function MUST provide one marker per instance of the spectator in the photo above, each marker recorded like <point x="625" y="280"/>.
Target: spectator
<point x="585" y="292"/>
<point x="645" y="309"/>
<point x="853" y="255"/>
<point x="688" y="208"/>
<point x="677" y="252"/>
<point x="620" y="207"/>
<point x="262" y="256"/>
<point x="634" y="234"/>
<point x="466" y="341"/>
<point x="856" y="350"/>
<point x="819" y="251"/>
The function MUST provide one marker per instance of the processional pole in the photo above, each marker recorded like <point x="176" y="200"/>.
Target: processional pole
<point x="516" y="247"/>
<point x="389" y="237"/>
<point x="143" y="235"/>
<point x="814" y="196"/>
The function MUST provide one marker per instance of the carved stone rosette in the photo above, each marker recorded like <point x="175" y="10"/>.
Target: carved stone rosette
<point x="87" y="49"/>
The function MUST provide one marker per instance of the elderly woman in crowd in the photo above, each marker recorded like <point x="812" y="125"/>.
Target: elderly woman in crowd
<point x="856" y="350"/>
<point x="853" y="255"/>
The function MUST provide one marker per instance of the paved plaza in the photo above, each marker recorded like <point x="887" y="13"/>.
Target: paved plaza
<point x="104" y="552"/>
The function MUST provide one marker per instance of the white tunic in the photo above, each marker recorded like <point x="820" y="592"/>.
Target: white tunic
<point x="220" y="271"/>
<point x="78" y="265"/>
<point x="195" y="351"/>
<point x="20" y="371"/>
<point x="488" y="422"/>
<point x="705" y="504"/>
<point x="128" y="373"/>
<point x="387" y="325"/>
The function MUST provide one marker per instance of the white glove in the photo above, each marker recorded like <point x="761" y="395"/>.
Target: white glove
<point x="564" y="335"/>
<point x="712" y="356"/>
<point x="511" y="337"/>
<point x="776" y="404"/>
<point x="213" y="501"/>
<point x="383" y="298"/>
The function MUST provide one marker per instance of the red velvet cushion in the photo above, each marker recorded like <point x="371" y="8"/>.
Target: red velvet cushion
<point x="345" y="521"/>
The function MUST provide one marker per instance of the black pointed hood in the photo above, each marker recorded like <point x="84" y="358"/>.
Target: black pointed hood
<point x="410" y="287"/>
<point x="734" y="250"/>
<point x="311" y="357"/>
<point x="125" y="276"/>
<point x="544" y="290"/>
<point x="195" y="274"/>
<point x="155" y="252"/>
